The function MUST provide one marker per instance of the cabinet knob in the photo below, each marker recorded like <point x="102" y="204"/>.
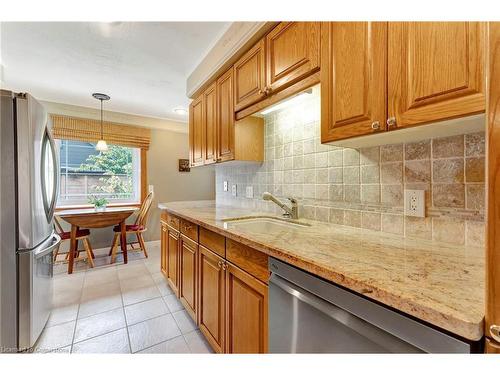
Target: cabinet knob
<point x="224" y="266"/>
<point x="391" y="122"/>
<point x="267" y="90"/>
<point x="219" y="263"/>
<point x="495" y="333"/>
<point x="375" y="125"/>
<point x="261" y="92"/>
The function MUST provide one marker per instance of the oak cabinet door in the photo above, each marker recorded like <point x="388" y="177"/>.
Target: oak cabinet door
<point x="225" y="117"/>
<point x="292" y="53"/>
<point x="353" y="79"/>
<point x="196" y="132"/>
<point x="163" y="248"/>
<point x="210" y="124"/>
<point x="172" y="258"/>
<point x="246" y="312"/>
<point x="211" y="298"/>
<point x="250" y="77"/>
<point x="435" y="71"/>
<point x="188" y="278"/>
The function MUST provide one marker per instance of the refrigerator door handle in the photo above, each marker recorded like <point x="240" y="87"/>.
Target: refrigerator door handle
<point x="55" y="241"/>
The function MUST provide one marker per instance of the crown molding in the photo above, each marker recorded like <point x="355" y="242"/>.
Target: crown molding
<point x="235" y="40"/>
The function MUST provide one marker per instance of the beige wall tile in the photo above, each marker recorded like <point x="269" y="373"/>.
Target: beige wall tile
<point x="448" y="230"/>
<point x="448" y="195"/>
<point x="391" y="173"/>
<point x="370" y="193"/>
<point x="351" y="175"/>
<point x="351" y="156"/>
<point x="322" y="213"/>
<point x="322" y="192"/>
<point x="475" y="197"/>
<point x="419" y="227"/>
<point x="392" y="223"/>
<point x="307" y="212"/>
<point x="335" y="175"/>
<point x="448" y="147"/>
<point x="351" y="193"/>
<point x="370" y="155"/>
<point x="309" y="161"/>
<point x="392" y="195"/>
<point x="448" y="170"/>
<point x="370" y="174"/>
<point x="370" y="220"/>
<point x="418" y="171"/>
<point x="474" y="144"/>
<point x="474" y="233"/>
<point x="335" y="158"/>
<point x="322" y="176"/>
<point x="418" y="150"/>
<point x="474" y="169"/>
<point x="336" y="216"/>
<point x="352" y="218"/>
<point x="322" y="160"/>
<point x="336" y="193"/>
<point x="390" y="153"/>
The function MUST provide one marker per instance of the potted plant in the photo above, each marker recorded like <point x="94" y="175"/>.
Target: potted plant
<point x="99" y="203"/>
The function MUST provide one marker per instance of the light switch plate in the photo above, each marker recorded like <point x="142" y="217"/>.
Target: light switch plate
<point x="415" y="203"/>
<point x="249" y="192"/>
<point x="233" y="190"/>
<point x="225" y="186"/>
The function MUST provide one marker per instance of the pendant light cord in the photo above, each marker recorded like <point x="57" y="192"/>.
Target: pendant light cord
<point x="102" y="137"/>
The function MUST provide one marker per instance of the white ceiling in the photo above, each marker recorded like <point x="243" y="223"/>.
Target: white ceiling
<point x="143" y="66"/>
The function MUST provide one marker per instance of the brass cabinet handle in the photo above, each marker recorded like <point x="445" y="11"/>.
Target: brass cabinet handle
<point x="375" y="125"/>
<point x="224" y="266"/>
<point x="495" y="333"/>
<point x="261" y="92"/>
<point x="267" y="90"/>
<point x="391" y="122"/>
<point x="219" y="263"/>
<point x="164" y="229"/>
<point x="188" y="227"/>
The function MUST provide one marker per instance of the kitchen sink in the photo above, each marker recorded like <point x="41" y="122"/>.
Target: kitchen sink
<point x="263" y="224"/>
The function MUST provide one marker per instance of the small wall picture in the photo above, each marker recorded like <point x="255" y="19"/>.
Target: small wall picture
<point x="184" y="165"/>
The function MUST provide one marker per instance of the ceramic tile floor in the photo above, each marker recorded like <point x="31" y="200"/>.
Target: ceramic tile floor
<point x="121" y="308"/>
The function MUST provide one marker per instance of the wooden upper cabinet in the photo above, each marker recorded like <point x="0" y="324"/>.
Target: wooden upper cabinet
<point x="292" y="52"/>
<point x="225" y="117"/>
<point x="210" y="124"/>
<point x="250" y="77"/>
<point x="246" y="312"/>
<point x="435" y="71"/>
<point x="211" y="298"/>
<point x="353" y="79"/>
<point x="188" y="275"/>
<point x="196" y="132"/>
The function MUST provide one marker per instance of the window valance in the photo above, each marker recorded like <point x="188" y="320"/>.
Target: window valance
<point x="82" y="129"/>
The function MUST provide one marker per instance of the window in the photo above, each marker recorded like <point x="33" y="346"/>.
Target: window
<point x="86" y="172"/>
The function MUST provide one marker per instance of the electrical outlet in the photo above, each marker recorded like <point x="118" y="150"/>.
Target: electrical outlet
<point x="225" y="186"/>
<point x="415" y="203"/>
<point x="233" y="190"/>
<point x="151" y="188"/>
<point x="249" y="192"/>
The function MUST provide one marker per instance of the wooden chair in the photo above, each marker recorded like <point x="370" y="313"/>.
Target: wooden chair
<point x="137" y="228"/>
<point x="81" y="234"/>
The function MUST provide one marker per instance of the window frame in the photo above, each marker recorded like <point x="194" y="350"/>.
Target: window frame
<point x="142" y="185"/>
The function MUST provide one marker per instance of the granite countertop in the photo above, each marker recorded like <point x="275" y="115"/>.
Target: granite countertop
<point x="438" y="283"/>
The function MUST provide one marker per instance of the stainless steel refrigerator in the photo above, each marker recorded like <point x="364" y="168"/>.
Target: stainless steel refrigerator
<point x="29" y="167"/>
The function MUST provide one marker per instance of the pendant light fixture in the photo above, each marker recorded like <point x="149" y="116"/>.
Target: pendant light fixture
<point x="101" y="144"/>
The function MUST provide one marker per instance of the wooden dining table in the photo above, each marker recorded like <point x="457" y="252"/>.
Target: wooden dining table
<point x="90" y="218"/>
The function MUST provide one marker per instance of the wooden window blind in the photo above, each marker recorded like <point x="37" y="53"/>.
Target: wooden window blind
<point x="81" y="129"/>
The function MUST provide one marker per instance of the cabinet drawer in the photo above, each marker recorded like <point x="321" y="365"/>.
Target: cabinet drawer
<point x="189" y="229"/>
<point x="213" y="241"/>
<point x="250" y="260"/>
<point x="170" y="220"/>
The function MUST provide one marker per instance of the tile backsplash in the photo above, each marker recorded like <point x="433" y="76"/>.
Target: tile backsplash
<point x="365" y="187"/>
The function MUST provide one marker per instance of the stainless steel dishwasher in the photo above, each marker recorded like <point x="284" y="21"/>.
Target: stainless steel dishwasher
<point x="310" y="315"/>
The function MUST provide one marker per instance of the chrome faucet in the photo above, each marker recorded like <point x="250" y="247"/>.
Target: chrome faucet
<point x="292" y="213"/>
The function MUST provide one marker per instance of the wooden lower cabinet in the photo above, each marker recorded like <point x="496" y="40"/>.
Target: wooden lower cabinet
<point x="172" y="258"/>
<point x="211" y="298"/>
<point x="163" y="249"/>
<point x="228" y="304"/>
<point x="188" y="275"/>
<point x="246" y="312"/>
